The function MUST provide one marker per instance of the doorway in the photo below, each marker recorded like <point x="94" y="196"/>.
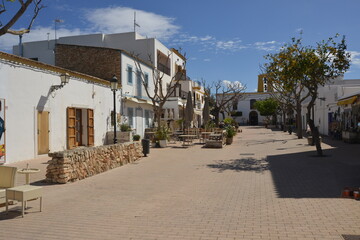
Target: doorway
<point x="253" y="118"/>
<point x="43" y="132"/>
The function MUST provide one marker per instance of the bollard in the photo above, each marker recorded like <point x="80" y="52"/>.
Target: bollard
<point x="146" y="146"/>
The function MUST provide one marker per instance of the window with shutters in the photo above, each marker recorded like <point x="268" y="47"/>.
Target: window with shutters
<point x="80" y="127"/>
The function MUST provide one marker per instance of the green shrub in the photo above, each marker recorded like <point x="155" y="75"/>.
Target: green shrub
<point x="125" y="127"/>
<point x="163" y="133"/>
<point x="136" y="137"/>
<point x="229" y="121"/>
<point x="230" y="131"/>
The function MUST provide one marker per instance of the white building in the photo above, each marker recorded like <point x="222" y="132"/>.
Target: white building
<point x="42" y="115"/>
<point x="243" y="111"/>
<point x="327" y="111"/>
<point x="149" y="50"/>
<point x="152" y="53"/>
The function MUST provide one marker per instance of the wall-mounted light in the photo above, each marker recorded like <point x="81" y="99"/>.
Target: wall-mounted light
<point x="64" y="77"/>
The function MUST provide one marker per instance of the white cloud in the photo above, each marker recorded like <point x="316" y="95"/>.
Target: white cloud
<point x="266" y="46"/>
<point x="299" y="30"/>
<point x="231" y="45"/>
<point x="234" y="84"/>
<point x="105" y="20"/>
<point x="120" y="19"/>
<point x="355" y="58"/>
<point x="207" y="60"/>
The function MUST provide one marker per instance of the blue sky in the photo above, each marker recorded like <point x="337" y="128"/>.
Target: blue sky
<point x="223" y="40"/>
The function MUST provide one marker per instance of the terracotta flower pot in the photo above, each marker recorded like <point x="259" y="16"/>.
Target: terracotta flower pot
<point x="356" y="195"/>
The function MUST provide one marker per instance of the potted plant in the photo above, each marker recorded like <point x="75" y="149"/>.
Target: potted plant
<point x="125" y="133"/>
<point x="230" y="133"/>
<point x="136" y="137"/>
<point x="162" y="136"/>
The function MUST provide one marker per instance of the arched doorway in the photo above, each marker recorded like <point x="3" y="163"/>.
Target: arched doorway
<point x="253" y="118"/>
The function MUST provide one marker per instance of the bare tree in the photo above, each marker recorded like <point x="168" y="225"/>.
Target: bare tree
<point x="5" y="27"/>
<point x="224" y="94"/>
<point x="162" y="89"/>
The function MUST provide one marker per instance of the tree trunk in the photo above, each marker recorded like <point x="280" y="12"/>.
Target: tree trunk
<point x="314" y="130"/>
<point x="216" y="115"/>
<point x="284" y="119"/>
<point x="315" y="135"/>
<point x="158" y="111"/>
<point x="299" y="121"/>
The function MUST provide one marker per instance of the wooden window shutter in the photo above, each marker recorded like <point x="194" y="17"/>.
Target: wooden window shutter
<point x="71" y="131"/>
<point x="90" y="126"/>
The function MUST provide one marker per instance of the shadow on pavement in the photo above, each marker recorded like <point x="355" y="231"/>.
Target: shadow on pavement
<point x="242" y="164"/>
<point x="351" y="237"/>
<point x="304" y="175"/>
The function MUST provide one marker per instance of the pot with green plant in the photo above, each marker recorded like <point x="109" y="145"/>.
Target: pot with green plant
<point x="162" y="135"/>
<point x="136" y="137"/>
<point x="230" y="133"/>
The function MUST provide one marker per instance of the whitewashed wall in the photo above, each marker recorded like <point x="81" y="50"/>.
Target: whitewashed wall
<point x="26" y="90"/>
<point x="244" y="107"/>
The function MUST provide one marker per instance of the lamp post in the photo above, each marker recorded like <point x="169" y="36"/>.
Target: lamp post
<point x="114" y="87"/>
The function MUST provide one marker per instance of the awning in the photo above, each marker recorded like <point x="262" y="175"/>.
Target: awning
<point x="138" y="100"/>
<point x="346" y="101"/>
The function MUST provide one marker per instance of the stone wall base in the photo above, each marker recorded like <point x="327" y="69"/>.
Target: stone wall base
<point x="76" y="164"/>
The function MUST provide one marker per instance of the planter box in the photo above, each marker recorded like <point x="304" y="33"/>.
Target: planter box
<point x="163" y="143"/>
<point x="122" y="137"/>
<point x="349" y="137"/>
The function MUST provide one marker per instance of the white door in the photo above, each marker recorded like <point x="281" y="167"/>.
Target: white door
<point x="139" y="122"/>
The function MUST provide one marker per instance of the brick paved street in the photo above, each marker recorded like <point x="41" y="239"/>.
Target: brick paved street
<point x="267" y="185"/>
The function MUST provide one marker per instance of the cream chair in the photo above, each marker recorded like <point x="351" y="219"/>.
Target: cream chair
<point x="7" y="180"/>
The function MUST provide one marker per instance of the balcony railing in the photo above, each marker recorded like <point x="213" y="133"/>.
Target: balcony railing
<point x="165" y="69"/>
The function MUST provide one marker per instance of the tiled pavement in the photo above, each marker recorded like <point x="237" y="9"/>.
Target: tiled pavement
<point x="267" y="185"/>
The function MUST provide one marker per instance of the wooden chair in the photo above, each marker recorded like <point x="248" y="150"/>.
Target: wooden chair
<point x="7" y="180"/>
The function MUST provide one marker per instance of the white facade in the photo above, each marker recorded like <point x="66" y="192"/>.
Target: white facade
<point x="326" y="104"/>
<point x="137" y="108"/>
<point x="150" y="50"/>
<point x="25" y="86"/>
<point x="135" y="44"/>
<point x="248" y="115"/>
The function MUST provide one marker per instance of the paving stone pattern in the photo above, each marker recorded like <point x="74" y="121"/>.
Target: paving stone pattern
<point x="267" y="185"/>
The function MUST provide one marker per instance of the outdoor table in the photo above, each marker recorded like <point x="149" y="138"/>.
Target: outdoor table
<point x="27" y="172"/>
<point x="177" y="135"/>
<point x="187" y="138"/>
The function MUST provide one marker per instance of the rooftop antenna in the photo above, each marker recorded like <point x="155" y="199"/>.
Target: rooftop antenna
<point x="56" y="21"/>
<point x="135" y="24"/>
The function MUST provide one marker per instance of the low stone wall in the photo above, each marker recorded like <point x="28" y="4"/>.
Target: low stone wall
<point x="80" y="163"/>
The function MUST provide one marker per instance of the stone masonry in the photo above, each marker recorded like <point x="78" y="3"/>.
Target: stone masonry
<point x="80" y="163"/>
<point x="95" y="61"/>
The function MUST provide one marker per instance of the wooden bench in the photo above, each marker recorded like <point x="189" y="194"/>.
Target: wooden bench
<point x="22" y="194"/>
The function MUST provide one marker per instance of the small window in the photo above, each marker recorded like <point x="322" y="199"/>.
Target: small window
<point x="147" y="118"/>
<point x="252" y="102"/>
<point x="130" y="74"/>
<point x="235" y="106"/>
<point x="146" y="80"/>
<point x="131" y="117"/>
<point x="265" y="80"/>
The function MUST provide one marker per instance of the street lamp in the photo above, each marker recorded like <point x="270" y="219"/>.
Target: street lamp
<point x="114" y="87"/>
<point x="64" y="77"/>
